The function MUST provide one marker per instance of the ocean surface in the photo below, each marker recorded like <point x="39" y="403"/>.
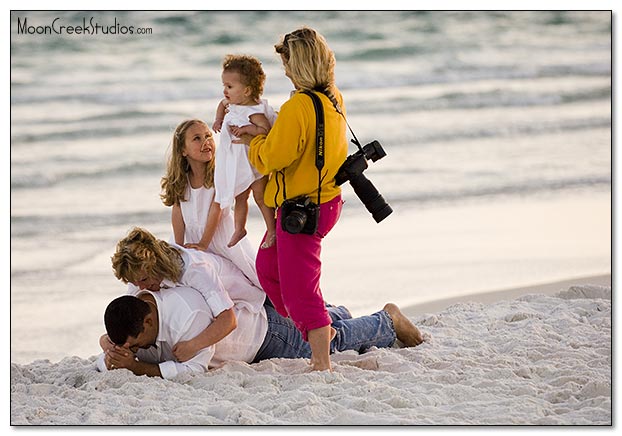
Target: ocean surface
<point x="471" y="108"/>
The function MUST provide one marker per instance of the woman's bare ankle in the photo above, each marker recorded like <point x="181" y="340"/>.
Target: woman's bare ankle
<point x="269" y="240"/>
<point x="320" y="364"/>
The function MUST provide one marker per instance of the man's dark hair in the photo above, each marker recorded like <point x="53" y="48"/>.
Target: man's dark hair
<point x="124" y="317"/>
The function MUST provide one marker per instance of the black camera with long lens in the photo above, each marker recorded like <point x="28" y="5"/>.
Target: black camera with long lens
<point x="300" y="215"/>
<point x="352" y="170"/>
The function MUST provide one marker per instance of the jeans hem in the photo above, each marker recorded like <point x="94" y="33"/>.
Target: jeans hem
<point x="392" y="326"/>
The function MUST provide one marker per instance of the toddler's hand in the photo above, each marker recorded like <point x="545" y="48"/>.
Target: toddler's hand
<point x="217" y="125"/>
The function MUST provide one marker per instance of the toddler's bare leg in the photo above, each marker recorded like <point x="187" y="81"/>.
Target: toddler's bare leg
<point x="240" y="214"/>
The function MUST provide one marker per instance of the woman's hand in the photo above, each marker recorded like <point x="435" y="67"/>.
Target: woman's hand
<point x="245" y="134"/>
<point x="106" y="343"/>
<point x="239" y="131"/>
<point x="243" y="139"/>
<point x="184" y="351"/>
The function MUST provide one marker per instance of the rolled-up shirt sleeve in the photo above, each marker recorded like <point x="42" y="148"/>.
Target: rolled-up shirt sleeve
<point x="197" y="365"/>
<point x="101" y="363"/>
<point x="193" y="325"/>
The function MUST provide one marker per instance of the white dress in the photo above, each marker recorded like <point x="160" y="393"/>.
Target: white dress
<point x="195" y="210"/>
<point x="234" y="173"/>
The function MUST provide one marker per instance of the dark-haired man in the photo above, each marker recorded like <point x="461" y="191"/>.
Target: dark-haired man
<point x="145" y="328"/>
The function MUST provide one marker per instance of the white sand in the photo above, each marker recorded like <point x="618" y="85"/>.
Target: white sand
<point x="538" y="359"/>
<point x="604" y="281"/>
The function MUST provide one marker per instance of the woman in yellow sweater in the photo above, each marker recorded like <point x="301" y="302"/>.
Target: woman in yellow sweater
<point x="289" y="271"/>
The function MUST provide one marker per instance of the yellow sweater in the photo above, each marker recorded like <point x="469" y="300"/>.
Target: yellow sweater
<point x="289" y="150"/>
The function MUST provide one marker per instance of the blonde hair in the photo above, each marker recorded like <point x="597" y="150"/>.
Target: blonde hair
<point x="250" y="71"/>
<point x="309" y="62"/>
<point x="175" y="181"/>
<point x="141" y="253"/>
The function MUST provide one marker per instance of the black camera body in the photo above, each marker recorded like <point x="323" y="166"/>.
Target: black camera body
<point x="352" y="170"/>
<point x="300" y="215"/>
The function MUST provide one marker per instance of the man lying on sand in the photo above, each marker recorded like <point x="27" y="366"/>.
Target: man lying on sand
<point x="145" y="328"/>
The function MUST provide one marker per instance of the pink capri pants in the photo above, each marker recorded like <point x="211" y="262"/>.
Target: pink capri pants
<point x="289" y="271"/>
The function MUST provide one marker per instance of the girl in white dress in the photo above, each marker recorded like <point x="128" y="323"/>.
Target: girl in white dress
<point x="242" y="111"/>
<point x="188" y="186"/>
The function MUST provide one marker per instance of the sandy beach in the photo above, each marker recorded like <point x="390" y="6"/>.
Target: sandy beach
<point x="538" y="359"/>
<point x="510" y="294"/>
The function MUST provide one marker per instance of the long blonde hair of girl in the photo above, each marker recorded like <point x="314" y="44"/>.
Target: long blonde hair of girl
<point x="309" y="62"/>
<point x="140" y="253"/>
<point x="175" y="181"/>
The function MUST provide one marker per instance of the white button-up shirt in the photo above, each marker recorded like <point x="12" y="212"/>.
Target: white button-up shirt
<point x="182" y="314"/>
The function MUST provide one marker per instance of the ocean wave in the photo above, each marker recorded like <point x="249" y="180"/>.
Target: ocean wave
<point x="353" y="79"/>
<point x="429" y="137"/>
<point x="39" y="179"/>
<point x="524" y="188"/>
<point x="102" y="131"/>
<point x="513" y="130"/>
<point x="121" y="114"/>
<point x="387" y="53"/>
<point x="478" y="100"/>
<point x="175" y="89"/>
<point x="33" y="225"/>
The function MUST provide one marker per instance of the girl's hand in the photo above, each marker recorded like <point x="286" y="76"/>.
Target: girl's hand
<point x="195" y="247"/>
<point x="184" y="351"/>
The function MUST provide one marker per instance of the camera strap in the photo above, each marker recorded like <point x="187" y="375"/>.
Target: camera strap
<point x="319" y="139"/>
<point x="355" y="140"/>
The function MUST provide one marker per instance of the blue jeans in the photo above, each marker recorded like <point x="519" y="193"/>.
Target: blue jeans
<point x="284" y="340"/>
<point x="335" y="312"/>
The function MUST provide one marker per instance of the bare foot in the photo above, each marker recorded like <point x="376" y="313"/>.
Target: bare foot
<point x="269" y="241"/>
<point x="405" y="330"/>
<point x="317" y="365"/>
<point x="237" y="237"/>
